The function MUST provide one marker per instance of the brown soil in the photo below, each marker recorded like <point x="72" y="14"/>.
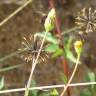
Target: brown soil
<point x="29" y="21"/>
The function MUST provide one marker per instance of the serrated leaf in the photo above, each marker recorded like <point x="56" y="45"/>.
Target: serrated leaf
<point x="52" y="48"/>
<point x="57" y="53"/>
<point x="49" y="37"/>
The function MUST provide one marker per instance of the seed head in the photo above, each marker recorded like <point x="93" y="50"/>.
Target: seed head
<point x="87" y="19"/>
<point x="32" y="45"/>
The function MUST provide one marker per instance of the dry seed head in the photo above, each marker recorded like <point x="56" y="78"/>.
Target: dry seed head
<point x="32" y="49"/>
<point x="87" y="18"/>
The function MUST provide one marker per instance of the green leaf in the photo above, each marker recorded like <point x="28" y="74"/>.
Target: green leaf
<point x="68" y="42"/>
<point x="71" y="57"/>
<point x="49" y="37"/>
<point x="33" y="92"/>
<point x="2" y="83"/>
<point x="54" y="92"/>
<point x="57" y="53"/>
<point x="45" y="94"/>
<point x="64" y="78"/>
<point x="52" y="48"/>
<point x="91" y="78"/>
<point x="85" y="93"/>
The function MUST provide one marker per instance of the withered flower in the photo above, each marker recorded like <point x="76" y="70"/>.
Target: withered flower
<point x="33" y="44"/>
<point x="87" y="19"/>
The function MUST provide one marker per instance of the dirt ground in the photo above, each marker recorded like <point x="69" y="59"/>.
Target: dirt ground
<point x="29" y="21"/>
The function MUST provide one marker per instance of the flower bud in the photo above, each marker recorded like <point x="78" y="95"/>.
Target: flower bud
<point x="78" y="46"/>
<point x="50" y="20"/>
<point x="52" y="13"/>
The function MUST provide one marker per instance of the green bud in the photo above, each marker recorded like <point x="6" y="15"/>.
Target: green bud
<point x="50" y="21"/>
<point x="78" y="46"/>
<point x="54" y="92"/>
<point x="52" y="14"/>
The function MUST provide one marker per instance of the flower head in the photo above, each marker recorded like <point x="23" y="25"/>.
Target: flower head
<point x="78" y="46"/>
<point x="50" y="20"/>
<point x="52" y="13"/>
<point x="32" y="45"/>
<point x="87" y="19"/>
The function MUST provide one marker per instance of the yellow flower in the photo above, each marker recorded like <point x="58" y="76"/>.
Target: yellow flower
<point x="78" y="46"/>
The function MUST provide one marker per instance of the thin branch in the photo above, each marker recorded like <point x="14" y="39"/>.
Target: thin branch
<point x="16" y="53"/>
<point x="48" y="87"/>
<point x="72" y="76"/>
<point x="12" y="54"/>
<point x="15" y="12"/>
<point x="71" y="29"/>
<point x="10" y="68"/>
<point x="34" y="65"/>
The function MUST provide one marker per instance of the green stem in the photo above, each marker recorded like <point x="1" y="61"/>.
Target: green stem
<point x="72" y="76"/>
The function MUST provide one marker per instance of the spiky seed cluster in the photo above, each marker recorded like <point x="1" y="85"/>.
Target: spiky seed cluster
<point x="32" y="45"/>
<point x="87" y="19"/>
<point x="50" y="20"/>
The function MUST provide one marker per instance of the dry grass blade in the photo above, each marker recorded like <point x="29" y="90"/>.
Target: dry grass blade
<point x="10" y="68"/>
<point x="12" y="54"/>
<point x="47" y="87"/>
<point x="15" y="12"/>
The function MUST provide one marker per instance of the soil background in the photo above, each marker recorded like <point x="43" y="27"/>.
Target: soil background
<point x="29" y="20"/>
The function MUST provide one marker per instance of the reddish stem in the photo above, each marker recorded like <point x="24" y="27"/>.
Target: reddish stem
<point x="64" y="60"/>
